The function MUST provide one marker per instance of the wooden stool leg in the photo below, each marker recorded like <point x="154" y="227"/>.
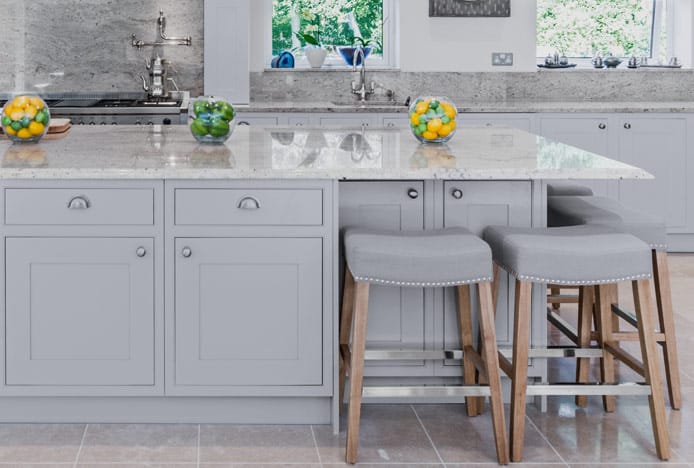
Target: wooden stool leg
<point x="491" y="360"/>
<point x="356" y="377"/>
<point x="651" y="368"/>
<point x="614" y="299"/>
<point x="604" y="323"/>
<point x="519" y="380"/>
<point x="555" y="291"/>
<point x="481" y="379"/>
<point x="585" y="322"/>
<point x="346" y="315"/>
<point x="663" y="297"/>
<point x="466" y="341"/>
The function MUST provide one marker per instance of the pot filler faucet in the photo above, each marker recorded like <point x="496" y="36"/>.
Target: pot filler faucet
<point x="361" y="89"/>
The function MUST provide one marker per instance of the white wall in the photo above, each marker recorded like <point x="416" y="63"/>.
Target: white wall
<point x="465" y="44"/>
<point x="437" y="44"/>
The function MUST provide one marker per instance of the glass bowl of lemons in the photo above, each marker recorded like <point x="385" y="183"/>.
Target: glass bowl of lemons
<point x="25" y="118"/>
<point x="433" y="119"/>
<point x="211" y="119"/>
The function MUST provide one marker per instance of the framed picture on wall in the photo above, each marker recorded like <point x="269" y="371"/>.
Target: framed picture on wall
<point x="470" y="8"/>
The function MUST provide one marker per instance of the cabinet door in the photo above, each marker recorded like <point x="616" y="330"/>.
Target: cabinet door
<point x="79" y="311"/>
<point x="482" y="204"/>
<point x="248" y="312"/>
<point x="396" y="315"/>
<point x="658" y="145"/>
<point x="588" y="133"/>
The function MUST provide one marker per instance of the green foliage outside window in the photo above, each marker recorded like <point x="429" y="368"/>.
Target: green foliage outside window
<point x="580" y="28"/>
<point x="340" y="21"/>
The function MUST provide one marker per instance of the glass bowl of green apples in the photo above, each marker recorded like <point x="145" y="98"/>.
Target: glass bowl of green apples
<point x="211" y="119"/>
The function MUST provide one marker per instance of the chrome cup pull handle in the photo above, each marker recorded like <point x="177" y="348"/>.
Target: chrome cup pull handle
<point x="248" y="203"/>
<point x="79" y="203"/>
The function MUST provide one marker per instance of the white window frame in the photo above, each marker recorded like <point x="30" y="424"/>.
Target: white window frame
<point x="391" y="42"/>
<point x="670" y="7"/>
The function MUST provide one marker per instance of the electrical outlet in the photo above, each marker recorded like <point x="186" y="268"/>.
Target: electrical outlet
<point x="502" y="59"/>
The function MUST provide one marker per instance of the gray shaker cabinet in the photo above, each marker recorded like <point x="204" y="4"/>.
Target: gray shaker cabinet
<point x="476" y="205"/>
<point x="397" y="320"/>
<point x="248" y="312"/>
<point x="79" y="311"/>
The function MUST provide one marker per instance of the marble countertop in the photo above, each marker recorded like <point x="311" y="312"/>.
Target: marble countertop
<point x="476" y="107"/>
<point x="170" y="152"/>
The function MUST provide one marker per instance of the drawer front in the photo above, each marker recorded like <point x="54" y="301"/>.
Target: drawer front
<point x="249" y="207"/>
<point x="79" y="206"/>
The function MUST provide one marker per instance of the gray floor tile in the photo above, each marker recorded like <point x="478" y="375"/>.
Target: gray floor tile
<point x="388" y="434"/>
<point x="461" y="439"/>
<point x="140" y="443"/>
<point x="257" y="444"/>
<point x="137" y="465"/>
<point x="40" y="443"/>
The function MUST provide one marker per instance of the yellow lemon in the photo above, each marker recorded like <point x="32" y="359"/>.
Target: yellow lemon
<point x="24" y="133"/>
<point x="421" y="107"/>
<point x="37" y="103"/>
<point x="17" y="115"/>
<point x="8" y="110"/>
<point x="10" y="131"/>
<point x="434" y="125"/>
<point x="445" y="130"/>
<point x="452" y="125"/>
<point x="430" y="135"/>
<point x="36" y="128"/>
<point x="414" y="118"/>
<point x="30" y="111"/>
<point x="20" y="101"/>
<point x="449" y="110"/>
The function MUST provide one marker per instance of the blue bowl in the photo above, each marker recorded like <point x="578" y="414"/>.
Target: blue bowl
<point x="348" y="54"/>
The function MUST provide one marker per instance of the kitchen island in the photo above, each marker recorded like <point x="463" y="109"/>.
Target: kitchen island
<point x="152" y="279"/>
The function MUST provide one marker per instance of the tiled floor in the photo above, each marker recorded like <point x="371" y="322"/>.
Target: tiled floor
<point x="399" y="435"/>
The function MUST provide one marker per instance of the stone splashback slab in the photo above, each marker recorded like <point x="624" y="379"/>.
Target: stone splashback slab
<point x="90" y="42"/>
<point x="544" y="86"/>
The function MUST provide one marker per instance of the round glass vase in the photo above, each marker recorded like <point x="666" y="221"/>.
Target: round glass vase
<point x="211" y="119"/>
<point x="25" y="118"/>
<point x="433" y="119"/>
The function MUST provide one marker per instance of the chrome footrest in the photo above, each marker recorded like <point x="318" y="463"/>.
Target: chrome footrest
<point x="558" y="389"/>
<point x="413" y="355"/>
<point x="437" y="392"/>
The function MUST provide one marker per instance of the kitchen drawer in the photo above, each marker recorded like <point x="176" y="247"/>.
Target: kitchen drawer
<point x="79" y="206"/>
<point x="260" y="207"/>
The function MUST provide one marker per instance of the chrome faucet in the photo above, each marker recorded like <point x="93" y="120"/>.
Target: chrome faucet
<point x="361" y="89"/>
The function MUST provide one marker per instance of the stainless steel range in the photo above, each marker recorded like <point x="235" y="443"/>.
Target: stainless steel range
<point x="118" y="108"/>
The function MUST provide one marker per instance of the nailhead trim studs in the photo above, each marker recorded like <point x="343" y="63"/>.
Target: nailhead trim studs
<point x="414" y="284"/>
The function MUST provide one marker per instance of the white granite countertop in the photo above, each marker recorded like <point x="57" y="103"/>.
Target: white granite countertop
<point x="477" y="107"/>
<point x="170" y="152"/>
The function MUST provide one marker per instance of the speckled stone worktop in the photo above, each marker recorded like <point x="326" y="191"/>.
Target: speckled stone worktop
<point x="170" y="152"/>
<point x="475" y="107"/>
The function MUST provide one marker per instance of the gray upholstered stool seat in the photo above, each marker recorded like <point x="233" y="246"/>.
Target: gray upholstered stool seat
<point x="573" y="210"/>
<point x="567" y="189"/>
<point x="446" y="257"/>
<point x="569" y="256"/>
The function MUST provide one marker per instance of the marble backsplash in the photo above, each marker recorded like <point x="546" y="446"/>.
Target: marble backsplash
<point x="555" y="85"/>
<point x="89" y="42"/>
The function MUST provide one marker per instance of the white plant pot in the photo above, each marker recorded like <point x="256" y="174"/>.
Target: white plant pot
<point x="316" y="56"/>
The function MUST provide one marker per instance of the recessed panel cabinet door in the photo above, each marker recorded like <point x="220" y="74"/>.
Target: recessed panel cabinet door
<point x="249" y="312"/>
<point x="476" y="205"/>
<point x="79" y="312"/>
<point x="396" y="315"/>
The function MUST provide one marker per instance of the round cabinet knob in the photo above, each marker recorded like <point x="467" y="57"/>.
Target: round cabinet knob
<point x="186" y="252"/>
<point x="602" y="126"/>
<point x="413" y="193"/>
<point x="141" y="252"/>
<point x="457" y="193"/>
<point x="627" y="126"/>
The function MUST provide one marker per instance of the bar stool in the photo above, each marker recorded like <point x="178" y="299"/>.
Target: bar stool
<point x="575" y="210"/>
<point x="589" y="256"/>
<point x="446" y="258"/>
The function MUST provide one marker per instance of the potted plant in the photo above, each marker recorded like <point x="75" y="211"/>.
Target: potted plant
<point x="310" y="39"/>
<point x="348" y="53"/>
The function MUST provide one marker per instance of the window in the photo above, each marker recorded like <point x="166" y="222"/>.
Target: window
<point x="582" y="28"/>
<point x="334" y="24"/>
